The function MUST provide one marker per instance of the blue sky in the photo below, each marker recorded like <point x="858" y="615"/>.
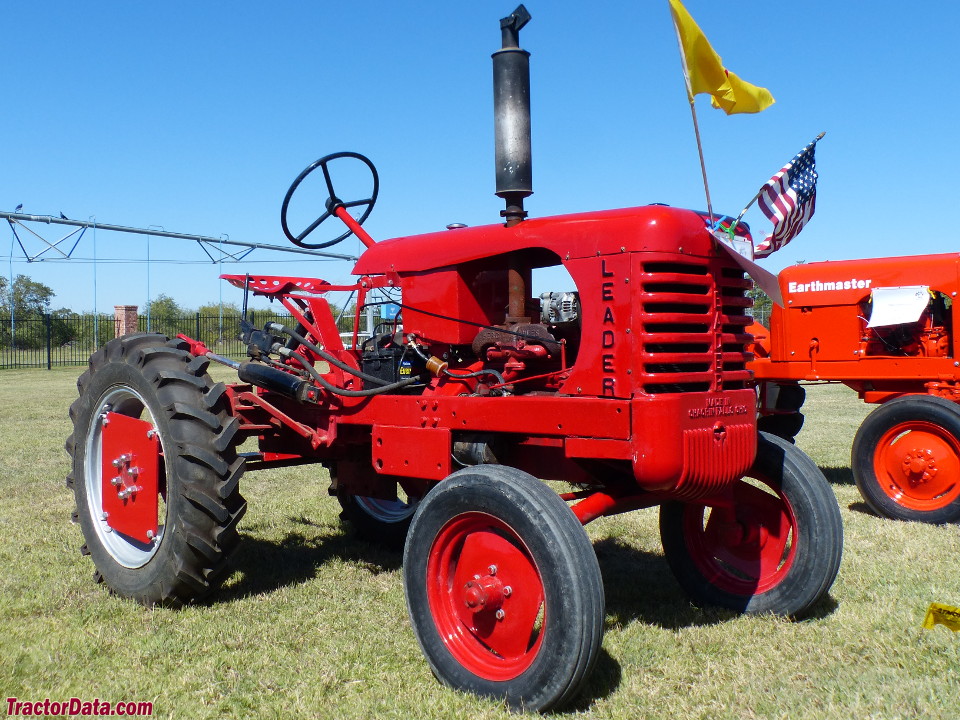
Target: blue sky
<point x="196" y="117"/>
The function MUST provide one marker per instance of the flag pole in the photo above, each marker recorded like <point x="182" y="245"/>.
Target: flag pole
<point x="696" y="125"/>
<point x="703" y="166"/>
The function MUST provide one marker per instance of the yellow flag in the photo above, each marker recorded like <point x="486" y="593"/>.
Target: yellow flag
<point x="705" y="72"/>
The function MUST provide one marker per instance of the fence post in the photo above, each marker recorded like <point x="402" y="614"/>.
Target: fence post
<point x="49" y="325"/>
<point x="197" y="336"/>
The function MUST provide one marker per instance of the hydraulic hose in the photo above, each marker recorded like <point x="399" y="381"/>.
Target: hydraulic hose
<point x="286" y="352"/>
<point x="329" y="357"/>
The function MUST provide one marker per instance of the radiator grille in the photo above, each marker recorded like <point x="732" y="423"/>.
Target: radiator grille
<point x="694" y="319"/>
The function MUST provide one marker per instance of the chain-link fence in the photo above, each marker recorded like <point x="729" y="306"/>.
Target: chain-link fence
<point x="762" y="315"/>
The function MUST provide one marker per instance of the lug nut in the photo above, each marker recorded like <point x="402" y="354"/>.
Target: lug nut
<point x="115" y="480"/>
<point x="104" y="515"/>
<point x="132" y="490"/>
<point x="151" y="535"/>
<point x="507" y="591"/>
<point x="501" y="614"/>
<point x="492" y="570"/>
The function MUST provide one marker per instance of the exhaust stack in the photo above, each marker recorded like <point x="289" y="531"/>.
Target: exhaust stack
<point x="511" y="115"/>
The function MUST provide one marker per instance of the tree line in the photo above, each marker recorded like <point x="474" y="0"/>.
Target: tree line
<point x="28" y="322"/>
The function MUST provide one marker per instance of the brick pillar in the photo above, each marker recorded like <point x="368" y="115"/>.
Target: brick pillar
<point x="125" y="319"/>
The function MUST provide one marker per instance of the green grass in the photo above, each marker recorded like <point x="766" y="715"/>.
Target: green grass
<point x="313" y="623"/>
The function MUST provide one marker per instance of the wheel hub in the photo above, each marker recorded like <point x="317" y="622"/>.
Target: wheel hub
<point x="746" y="549"/>
<point x="484" y="594"/>
<point x="130" y="467"/>
<point x="916" y="464"/>
<point x="919" y="466"/>
<point x="488" y="598"/>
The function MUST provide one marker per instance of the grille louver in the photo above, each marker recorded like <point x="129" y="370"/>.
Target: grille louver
<point x="694" y="319"/>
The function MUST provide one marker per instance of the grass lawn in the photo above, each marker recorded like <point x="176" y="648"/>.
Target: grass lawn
<point x="313" y="623"/>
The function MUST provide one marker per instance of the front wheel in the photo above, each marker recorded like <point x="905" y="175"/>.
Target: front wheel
<point x="503" y="588"/>
<point x="775" y="549"/>
<point x="906" y="460"/>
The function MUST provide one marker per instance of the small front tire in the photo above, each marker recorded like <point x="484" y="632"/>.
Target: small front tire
<point x="503" y="588"/>
<point x="775" y="549"/>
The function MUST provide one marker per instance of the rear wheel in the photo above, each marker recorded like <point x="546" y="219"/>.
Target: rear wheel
<point x="775" y="549"/>
<point x="906" y="459"/>
<point x="377" y="520"/>
<point x="155" y="471"/>
<point x="503" y="588"/>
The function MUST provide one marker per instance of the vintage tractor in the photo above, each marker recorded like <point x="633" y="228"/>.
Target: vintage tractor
<point x="883" y="327"/>
<point x="439" y="429"/>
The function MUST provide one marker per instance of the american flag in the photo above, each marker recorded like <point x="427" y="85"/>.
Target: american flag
<point x="789" y="199"/>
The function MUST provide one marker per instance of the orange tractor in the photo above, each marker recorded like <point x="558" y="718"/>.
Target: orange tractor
<point x="883" y="327"/>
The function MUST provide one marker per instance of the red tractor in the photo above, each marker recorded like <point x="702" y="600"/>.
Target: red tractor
<point x="883" y="327"/>
<point x="439" y="429"/>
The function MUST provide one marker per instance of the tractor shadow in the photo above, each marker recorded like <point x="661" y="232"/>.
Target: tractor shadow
<point x="844" y="476"/>
<point x="838" y="475"/>
<point x="639" y="587"/>
<point x="864" y="509"/>
<point x="263" y="566"/>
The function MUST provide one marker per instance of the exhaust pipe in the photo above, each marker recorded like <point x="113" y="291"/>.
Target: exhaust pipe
<point x="511" y="115"/>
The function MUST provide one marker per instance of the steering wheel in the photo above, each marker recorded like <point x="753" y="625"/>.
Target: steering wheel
<point x="332" y="203"/>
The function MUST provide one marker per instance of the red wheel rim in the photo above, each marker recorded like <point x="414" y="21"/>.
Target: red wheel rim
<point x="486" y="596"/>
<point x="917" y="464"/>
<point x="747" y="548"/>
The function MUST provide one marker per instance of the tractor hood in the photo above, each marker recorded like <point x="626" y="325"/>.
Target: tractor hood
<point x="651" y="228"/>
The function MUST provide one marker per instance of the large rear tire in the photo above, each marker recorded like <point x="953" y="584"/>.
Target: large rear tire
<point x="776" y="549"/>
<point x="167" y="540"/>
<point x="503" y="588"/>
<point x="906" y="460"/>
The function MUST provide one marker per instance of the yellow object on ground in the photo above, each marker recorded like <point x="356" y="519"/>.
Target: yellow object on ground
<point x="938" y="614"/>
